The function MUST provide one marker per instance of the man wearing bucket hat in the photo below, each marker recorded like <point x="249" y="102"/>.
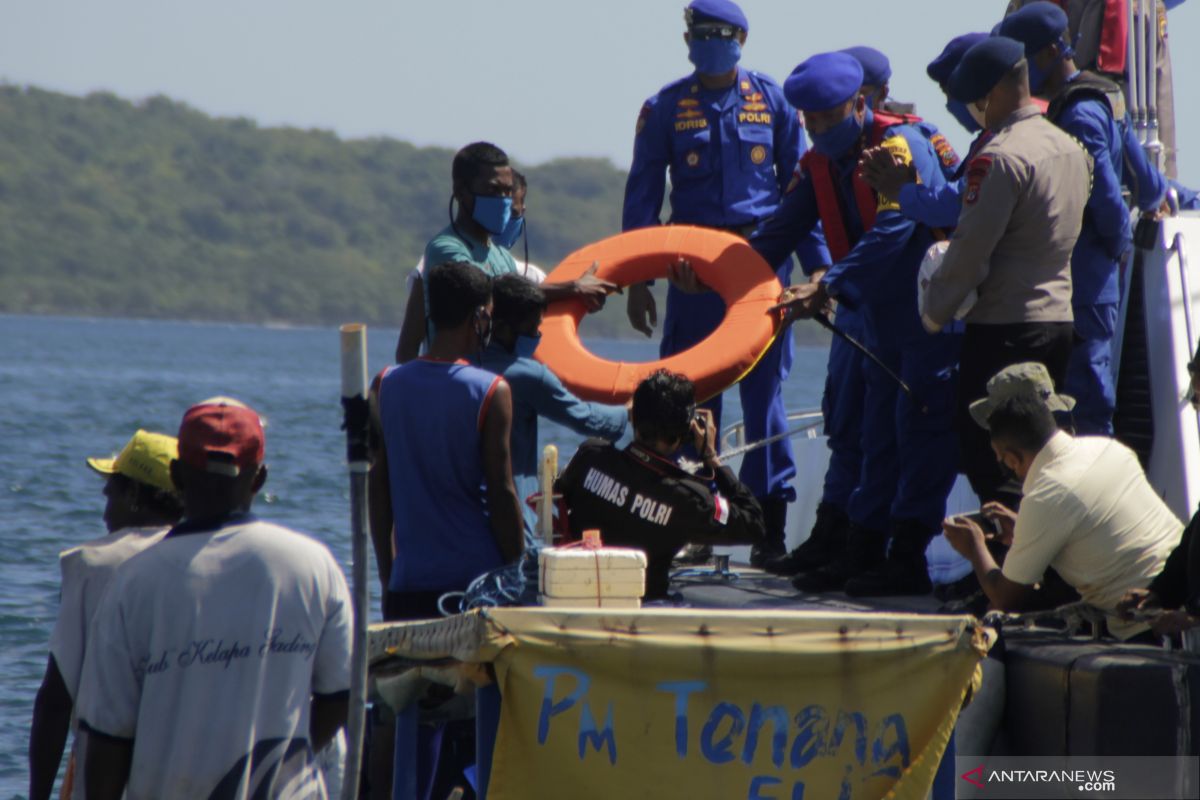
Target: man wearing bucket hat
<point x="907" y="439"/>
<point x="141" y="506"/>
<point x="1088" y="510"/>
<point x="229" y="620"/>
<point x="1022" y="209"/>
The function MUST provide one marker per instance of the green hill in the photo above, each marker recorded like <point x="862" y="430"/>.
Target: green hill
<point x="156" y="210"/>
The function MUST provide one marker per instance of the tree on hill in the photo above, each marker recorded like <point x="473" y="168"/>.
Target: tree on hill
<point x="156" y="210"/>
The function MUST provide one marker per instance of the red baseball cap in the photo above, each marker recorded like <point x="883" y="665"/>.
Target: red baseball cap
<point x="224" y="426"/>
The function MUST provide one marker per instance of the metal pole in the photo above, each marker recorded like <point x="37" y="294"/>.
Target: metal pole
<point x="1131" y="63"/>
<point x="549" y="472"/>
<point x="354" y="404"/>
<point x="826" y="323"/>
<point x="1153" y="145"/>
<point x="1139" y="35"/>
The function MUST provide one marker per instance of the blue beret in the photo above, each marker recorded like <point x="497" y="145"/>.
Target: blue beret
<point x="876" y="67"/>
<point x="1036" y="25"/>
<point x="940" y="68"/>
<point x="823" y="81"/>
<point x="716" y="11"/>
<point x="982" y="67"/>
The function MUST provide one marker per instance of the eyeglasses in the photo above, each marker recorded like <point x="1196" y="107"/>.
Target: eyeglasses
<point x="703" y="33"/>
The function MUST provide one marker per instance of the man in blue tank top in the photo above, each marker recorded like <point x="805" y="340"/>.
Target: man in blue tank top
<point x="443" y="508"/>
<point x="443" y="505"/>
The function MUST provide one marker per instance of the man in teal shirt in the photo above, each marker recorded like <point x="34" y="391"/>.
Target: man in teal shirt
<point x="483" y="185"/>
<point x="516" y="317"/>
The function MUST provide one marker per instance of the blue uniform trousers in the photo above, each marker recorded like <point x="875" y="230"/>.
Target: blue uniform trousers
<point x="909" y="445"/>
<point x="768" y="471"/>
<point x="842" y="406"/>
<point x="1090" y="377"/>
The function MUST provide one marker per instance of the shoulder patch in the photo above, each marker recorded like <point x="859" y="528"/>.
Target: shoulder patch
<point x="977" y="172"/>
<point x="643" y="115"/>
<point x="944" y="150"/>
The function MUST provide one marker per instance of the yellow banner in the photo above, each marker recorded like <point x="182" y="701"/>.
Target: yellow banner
<point x="765" y="706"/>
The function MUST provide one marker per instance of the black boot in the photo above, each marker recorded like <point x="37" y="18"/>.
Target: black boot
<point x="862" y="552"/>
<point x="823" y="545"/>
<point x="905" y="571"/>
<point x="772" y="546"/>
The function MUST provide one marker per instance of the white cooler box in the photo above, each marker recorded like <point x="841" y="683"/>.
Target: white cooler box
<point x="608" y="577"/>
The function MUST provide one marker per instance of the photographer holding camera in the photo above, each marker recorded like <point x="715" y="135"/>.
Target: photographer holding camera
<point x="639" y="497"/>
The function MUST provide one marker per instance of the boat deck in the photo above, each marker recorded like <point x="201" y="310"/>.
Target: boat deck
<point x="748" y="588"/>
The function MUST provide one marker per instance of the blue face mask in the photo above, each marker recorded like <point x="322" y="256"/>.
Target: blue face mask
<point x="839" y="139"/>
<point x="714" y="56"/>
<point x="526" y="345"/>
<point x="511" y="233"/>
<point x="958" y="110"/>
<point x="493" y="213"/>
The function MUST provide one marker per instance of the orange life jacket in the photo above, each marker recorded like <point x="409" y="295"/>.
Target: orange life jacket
<point x="829" y="200"/>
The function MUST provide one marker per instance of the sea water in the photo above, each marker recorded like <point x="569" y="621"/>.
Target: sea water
<point x="73" y="388"/>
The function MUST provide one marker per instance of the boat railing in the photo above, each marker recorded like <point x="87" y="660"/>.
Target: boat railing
<point x="805" y="422"/>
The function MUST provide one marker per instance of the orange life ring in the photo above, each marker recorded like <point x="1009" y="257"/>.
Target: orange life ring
<point x="721" y="260"/>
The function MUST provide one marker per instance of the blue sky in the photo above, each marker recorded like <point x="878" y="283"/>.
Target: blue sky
<point x="541" y="78"/>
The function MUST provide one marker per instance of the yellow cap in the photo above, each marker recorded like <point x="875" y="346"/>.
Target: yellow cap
<point x="146" y="458"/>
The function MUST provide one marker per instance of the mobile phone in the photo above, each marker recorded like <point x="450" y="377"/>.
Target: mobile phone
<point x="989" y="526"/>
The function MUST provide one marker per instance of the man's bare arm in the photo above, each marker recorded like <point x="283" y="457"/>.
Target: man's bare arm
<point x="379" y="494"/>
<point x="968" y="539"/>
<point x="106" y="767"/>
<point x="48" y="733"/>
<point x="503" y="504"/>
<point x="412" y="330"/>
<point x="328" y="715"/>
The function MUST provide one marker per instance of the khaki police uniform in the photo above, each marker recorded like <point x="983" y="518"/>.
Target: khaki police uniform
<point x="1022" y="212"/>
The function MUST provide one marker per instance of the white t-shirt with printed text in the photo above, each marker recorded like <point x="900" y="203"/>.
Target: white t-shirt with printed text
<point x="206" y="650"/>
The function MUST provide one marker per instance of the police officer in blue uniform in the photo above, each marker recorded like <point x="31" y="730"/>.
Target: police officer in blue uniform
<point x="845" y="386"/>
<point x="1092" y="109"/>
<point x="877" y="74"/>
<point x="908" y="442"/>
<point x="937" y="207"/>
<point x="730" y="141"/>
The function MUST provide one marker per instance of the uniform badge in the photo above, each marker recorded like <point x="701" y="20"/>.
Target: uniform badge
<point x="754" y="107"/>
<point x="695" y="88"/>
<point x="977" y="172"/>
<point x="642" y="116"/>
<point x="758" y="154"/>
<point x="688" y="102"/>
<point x="745" y="86"/>
<point x="944" y="150"/>
<point x="692" y="158"/>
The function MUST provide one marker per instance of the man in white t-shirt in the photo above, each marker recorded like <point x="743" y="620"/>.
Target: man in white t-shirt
<point x="1087" y="511"/>
<point x="219" y="659"/>
<point x="141" y="506"/>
